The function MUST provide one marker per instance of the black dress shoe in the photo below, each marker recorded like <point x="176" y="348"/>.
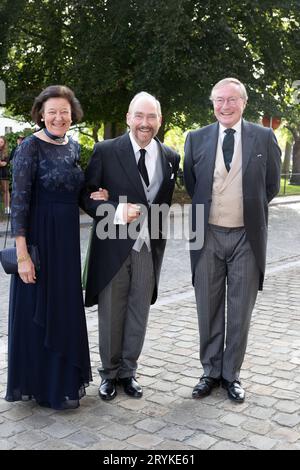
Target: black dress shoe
<point x="107" y="389"/>
<point x="234" y="390"/>
<point x="205" y="386"/>
<point x="132" y="387"/>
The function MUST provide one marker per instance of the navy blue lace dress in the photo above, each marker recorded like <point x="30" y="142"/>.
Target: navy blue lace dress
<point x="48" y="353"/>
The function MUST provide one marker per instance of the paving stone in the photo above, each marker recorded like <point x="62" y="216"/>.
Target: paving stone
<point x="262" y="442"/>
<point x="5" y="444"/>
<point x="59" y="430"/>
<point x="152" y="372"/>
<point x="145" y="441"/>
<point x="184" y="392"/>
<point x="150" y="424"/>
<point x="53" y="444"/>
<point x="8" y="429"/>
<point x="134" y="405"/>
<point x="105" y="443"/>
<point x="257" y="426"/>
<point x="262" y="400"/>
<point x="289" y="420"/>
<point x="163" y="386"/>
<point x="206" y="411"/>
<point x="30" y="439"/>
<point x="17" y="413"/>
<point x="177" y="433"/>
<point x="285" y="395"/>
<point x="208" y="426"/>
<point x="4" y="406"/>
<point x="175" y="445"/>
<point x="285" y="434"/>
<point x="82" y="439"/>
<point x="264" y="380"/>
<point x="152" y="362"/>
<point x="188" y="381"/>
<point x="229" y="405"/>
<point x="167" y="417"/>
<point x="118" y="431"/>
<point x="233" y="419"/>
<point x="201" y="442"/>
<point x="231" y="433"/>
<point x="162" y="399"/>
<point x="287" y="406"/>
<point x="155" y="410"/>
<point x="226" y="445"/>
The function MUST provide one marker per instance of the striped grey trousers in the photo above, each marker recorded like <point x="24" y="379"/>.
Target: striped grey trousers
<point x="123" y="309"/>
<point x="226" y="281"/>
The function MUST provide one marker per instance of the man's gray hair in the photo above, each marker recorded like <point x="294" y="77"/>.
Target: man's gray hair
<point x="144" y="94"/>
<point x="228" y="81"/>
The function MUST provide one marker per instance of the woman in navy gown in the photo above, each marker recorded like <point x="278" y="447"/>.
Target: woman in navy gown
<point x="48" y="353"/>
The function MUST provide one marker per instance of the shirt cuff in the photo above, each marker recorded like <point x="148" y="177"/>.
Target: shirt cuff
<point x="119" y="218"/>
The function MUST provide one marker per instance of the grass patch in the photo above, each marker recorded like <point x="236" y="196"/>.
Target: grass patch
<point x="287" y="189"/>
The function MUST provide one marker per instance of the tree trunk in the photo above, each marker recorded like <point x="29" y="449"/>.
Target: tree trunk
<point x="287" y="159"/>
<point x="161" y="132"/>
<point x="95" y="132"/>
<point x="113" y="129"/>
<point x="295" y="179"/>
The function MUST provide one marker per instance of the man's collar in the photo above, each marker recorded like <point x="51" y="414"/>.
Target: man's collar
<point x="136" y="146"/>
<point x="237" y="127"/>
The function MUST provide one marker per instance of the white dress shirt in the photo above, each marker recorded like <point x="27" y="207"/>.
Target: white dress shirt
<point x="151" y="157"/>
<point x="237" y="135"/>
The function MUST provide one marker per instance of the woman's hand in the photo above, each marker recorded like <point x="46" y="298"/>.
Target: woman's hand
<point x="100" y="195"/>
<point x="26" y="271"/>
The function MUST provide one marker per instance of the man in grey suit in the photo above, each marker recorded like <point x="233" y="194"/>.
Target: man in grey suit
<point x="232" y="168"/>
<point x="123" y="271"/>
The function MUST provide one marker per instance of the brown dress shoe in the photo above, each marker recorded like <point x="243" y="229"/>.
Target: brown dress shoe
<point x="205" y="386"/>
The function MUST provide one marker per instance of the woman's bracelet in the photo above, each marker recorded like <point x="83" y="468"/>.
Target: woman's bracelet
<point x="23" y="258"/>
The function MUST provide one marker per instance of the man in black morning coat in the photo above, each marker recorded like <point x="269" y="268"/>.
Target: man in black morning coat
<point x="123" y="272"/>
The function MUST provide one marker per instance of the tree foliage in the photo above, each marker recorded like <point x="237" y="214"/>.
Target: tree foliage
<point x="107" y="50"/>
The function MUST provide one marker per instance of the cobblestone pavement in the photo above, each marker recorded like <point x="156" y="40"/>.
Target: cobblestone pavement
<point x="166" y="417"/>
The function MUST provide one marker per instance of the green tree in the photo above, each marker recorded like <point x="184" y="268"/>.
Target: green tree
<point x="107" y="50"/>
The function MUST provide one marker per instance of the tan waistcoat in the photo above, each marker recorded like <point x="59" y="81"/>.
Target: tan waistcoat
<point x="227" y="194"/>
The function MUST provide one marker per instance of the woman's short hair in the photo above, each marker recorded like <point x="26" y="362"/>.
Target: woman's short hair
<point x="55" y="91"/>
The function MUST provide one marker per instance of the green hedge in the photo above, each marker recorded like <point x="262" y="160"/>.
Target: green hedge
<point x="85" y="156"/>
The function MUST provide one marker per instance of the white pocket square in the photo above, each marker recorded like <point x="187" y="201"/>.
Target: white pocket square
<point x="259" y="155"/>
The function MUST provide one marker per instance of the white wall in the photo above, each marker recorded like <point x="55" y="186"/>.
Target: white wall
<point x="16" y="126"/>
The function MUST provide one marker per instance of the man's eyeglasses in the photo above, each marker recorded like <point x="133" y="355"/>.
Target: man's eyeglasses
<point x="232" y="101"/>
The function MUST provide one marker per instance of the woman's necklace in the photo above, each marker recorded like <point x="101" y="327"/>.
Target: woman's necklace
<point x="56" y="138"/>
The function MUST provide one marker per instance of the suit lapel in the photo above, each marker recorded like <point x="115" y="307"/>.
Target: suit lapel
<point x="165" y="164"/>
<point x="248" y="139"/>
<point x="211" y="149"/>
<point x="128" y="162"/>
<point x="167" y="169"/>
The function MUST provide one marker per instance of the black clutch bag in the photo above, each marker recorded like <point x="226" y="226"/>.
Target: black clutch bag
<point x="8" y="259"/>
